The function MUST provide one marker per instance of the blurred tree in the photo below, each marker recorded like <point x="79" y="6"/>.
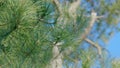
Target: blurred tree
<point x="56" y="33"/>
<point x="115" y="63"/>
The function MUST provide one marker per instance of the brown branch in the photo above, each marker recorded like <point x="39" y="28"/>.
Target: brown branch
<point x="58" y="6"/>
<point x="72" y="12"/>
<point x="73" y="7"/>
<point x="94" y="17"/>
<point x="91" y="23"/>
<point x="95" y="45"/>
<point x="56" y="61"/>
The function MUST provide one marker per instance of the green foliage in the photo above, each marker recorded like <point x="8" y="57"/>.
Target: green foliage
<point x="116" y="63"/>
<point x="21" y="38"/>
<point x="29" y="29"/>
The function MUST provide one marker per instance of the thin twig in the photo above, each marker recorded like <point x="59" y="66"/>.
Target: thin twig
<point x="95" y="45"/>
<point x="3" y="24"/>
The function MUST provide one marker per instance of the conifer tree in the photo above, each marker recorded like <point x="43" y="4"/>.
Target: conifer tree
<point x="55" y="33"/>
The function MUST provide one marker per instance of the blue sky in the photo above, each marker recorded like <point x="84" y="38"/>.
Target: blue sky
<point x="114" y="46"/>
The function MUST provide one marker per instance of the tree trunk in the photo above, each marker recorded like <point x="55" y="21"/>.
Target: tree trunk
<point x="56" y="61"/>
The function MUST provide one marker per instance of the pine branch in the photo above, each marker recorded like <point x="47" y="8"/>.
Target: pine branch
<point x="95" y="45"/>
<point x="3" y="24"/>
<point x="94" y="18"/>
<point x="73" y="7"/>
<point x="44" y="21"/>
<point x="56" y="61"/>
<point x="72" y="12"/>
<point x="91" y="23"/>
<point x="58" y="6"/>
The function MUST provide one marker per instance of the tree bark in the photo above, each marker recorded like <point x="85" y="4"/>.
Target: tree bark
<point x="56" y="61"/>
